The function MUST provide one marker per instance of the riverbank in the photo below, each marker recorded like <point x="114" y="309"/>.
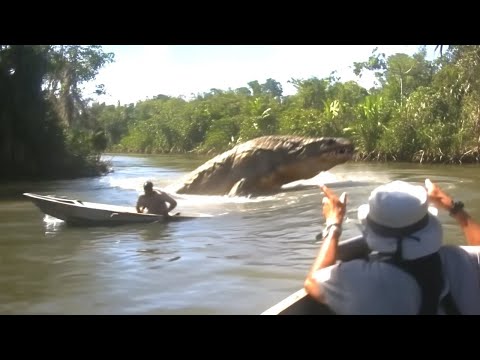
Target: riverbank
<point x="422" y="157"/>
<point x="469" y="157"/>
<point x="88" y="169"/>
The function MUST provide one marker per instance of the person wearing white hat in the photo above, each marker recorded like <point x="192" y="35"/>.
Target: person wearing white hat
<point x="408" y="271"/>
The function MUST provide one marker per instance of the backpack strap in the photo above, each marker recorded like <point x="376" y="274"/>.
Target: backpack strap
<point x="449" y="305"/>
<point x="427" y="271"/>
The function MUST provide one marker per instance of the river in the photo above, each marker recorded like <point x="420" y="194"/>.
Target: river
<point x="249" y="255"/>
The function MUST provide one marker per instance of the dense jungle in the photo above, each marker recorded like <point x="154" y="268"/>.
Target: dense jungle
<point x="419" y="111"/>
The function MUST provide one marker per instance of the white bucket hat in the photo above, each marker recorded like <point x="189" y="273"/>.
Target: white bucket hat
<point x="398" y="213"/>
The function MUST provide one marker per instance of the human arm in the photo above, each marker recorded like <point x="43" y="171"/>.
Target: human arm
<point x="172" y="203"/>
<point x="334" y="209"/>
<point x="140" y="204"/>
<point x="471" y="229"/>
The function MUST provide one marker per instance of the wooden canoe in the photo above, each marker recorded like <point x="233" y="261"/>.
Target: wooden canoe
<point x="83" y="213"/>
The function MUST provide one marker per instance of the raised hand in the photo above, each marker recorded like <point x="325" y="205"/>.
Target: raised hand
<point x="334" y="207"/>
<point x="437" y="196"/>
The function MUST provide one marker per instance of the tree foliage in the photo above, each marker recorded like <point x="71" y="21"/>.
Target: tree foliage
<point x="46" y="130"/>
<point x="419" y="110"/>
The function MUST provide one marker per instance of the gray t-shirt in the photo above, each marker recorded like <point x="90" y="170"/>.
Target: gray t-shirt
<point x="462" y="269"/>
<point x="361" y="287"/>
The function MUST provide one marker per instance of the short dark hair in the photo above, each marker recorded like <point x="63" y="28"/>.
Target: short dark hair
<point x="148" y="185"/>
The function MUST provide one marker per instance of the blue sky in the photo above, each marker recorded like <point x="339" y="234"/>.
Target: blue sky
<point x="143" y="71"/>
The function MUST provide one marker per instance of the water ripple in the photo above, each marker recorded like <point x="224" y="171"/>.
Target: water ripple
<point x="250" y="254"/>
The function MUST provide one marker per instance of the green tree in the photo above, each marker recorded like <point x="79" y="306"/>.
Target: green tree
<point x="272" y="87"/>
<point x="34" y="141"/>
<point x="70" y="67"/>
<point x="311" y="93"/>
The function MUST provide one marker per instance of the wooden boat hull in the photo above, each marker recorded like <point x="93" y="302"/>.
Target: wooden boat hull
<point x="299" y="303"/>
<point x="79" y="213"/>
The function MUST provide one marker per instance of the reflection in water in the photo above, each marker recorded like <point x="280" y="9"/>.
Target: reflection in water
<point x="53" y="225"/>
<point x="249" y="255"/>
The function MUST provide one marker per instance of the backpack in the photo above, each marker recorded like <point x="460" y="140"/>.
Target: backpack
<point x="427" y="271"/>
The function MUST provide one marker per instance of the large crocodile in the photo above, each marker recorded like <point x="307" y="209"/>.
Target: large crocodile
<point x="263" y="165"/>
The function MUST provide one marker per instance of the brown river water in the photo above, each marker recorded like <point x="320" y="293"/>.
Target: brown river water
<point x="249" y="255"/>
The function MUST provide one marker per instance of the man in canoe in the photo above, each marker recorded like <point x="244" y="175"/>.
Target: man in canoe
<point x="155" y="202"/>
<point x="408" y="271"/>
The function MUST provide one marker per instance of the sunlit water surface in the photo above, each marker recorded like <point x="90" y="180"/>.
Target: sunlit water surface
<point x="249" y="255"/>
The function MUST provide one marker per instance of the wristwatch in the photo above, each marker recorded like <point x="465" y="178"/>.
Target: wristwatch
<point x="456" y="207"/>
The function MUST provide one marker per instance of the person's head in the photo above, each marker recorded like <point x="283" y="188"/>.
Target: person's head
<point x="397" y="219"/>
<point x="148" y="187"/>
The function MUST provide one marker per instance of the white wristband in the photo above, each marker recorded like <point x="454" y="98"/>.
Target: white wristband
<point x="332" y="227"/>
